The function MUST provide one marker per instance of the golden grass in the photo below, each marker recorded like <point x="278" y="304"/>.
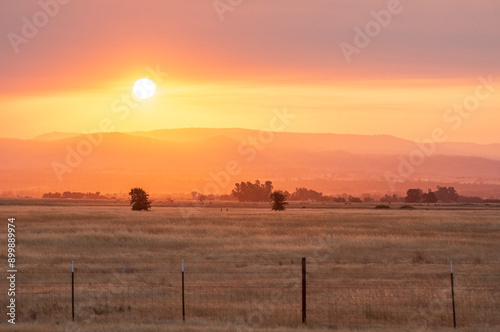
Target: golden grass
<point x="366" y="268"/>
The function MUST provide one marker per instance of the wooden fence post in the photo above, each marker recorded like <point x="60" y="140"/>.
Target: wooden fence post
<point x="304" y="290"/>
<point x="453" y="295"/>
<point x="73" y="290"/>
<point x="183" y="305"/>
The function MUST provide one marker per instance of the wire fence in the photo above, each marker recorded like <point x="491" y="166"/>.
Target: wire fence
<point x="265" y="294"/>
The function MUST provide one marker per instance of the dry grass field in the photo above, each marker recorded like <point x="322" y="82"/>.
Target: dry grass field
<point x="366" y="268"/>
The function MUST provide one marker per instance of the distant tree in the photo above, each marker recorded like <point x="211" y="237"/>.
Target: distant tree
<point x="413" y="196"/>
<point x="393" y="198"/>
<point x="430" y="197"/>
<point x="304" y="194"/>
<point x="339" y="199"/>
<point x="139" y="199"/>
<point x="447" y="194"/>
<point x="73" y="195"/>
<point x="491" y="201"/>
<point x="52" y="195"/>
<point x="96" y="195"/>
<point x="471" y="199"/>
<point x="278" y="201"/>
<point x="194" y="194"/>
<point x="252" y="192"/>
<point x="367" y="198"/>
<point x="202" y="198"/>
<point x="353" y="199"/>
<point x="386" y="198"/>
<point x="226" y="198"/>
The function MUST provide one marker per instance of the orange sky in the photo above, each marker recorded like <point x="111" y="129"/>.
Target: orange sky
<point x="232" y="73"/>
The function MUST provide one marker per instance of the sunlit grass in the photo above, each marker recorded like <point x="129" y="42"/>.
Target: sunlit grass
<point x="245" y="247"/>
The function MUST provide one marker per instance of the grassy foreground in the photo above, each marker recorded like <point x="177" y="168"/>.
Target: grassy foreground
<point x="366" y="268"/>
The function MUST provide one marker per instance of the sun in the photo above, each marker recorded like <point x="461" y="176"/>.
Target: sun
<point x="144" y="88"/>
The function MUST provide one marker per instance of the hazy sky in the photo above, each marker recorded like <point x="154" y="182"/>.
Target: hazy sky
<point x="231" y="66"/>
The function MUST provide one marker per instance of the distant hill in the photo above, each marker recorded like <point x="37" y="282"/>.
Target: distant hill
<point x="179" y="160"/>
<point x="358" y="144"/>
<point x="54" y="136"/>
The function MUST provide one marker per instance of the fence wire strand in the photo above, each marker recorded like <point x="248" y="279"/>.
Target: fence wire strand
<point x="266" y="295"/>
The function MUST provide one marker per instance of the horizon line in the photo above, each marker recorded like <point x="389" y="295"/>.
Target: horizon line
<point x="76" y="134"/>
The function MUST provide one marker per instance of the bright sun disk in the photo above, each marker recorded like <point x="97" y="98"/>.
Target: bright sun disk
<point x="144" y="88"/>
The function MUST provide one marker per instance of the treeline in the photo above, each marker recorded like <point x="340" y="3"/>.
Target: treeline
<point x="443" y="194"/>
<point x="259" y="192"/>
<point x="253" y="192"/>
<point x="304" y="194"/>
<point x="76" y="195"/>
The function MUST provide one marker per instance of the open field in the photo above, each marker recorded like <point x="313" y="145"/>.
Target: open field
<point x="366" y="268"/>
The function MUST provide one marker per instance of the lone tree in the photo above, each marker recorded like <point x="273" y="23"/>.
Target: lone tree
<point x="278" y="201"/>
<point x="139" y="199"/>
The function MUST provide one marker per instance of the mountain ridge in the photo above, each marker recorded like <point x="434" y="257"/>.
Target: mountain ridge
<point x="116" y="161"/>
<point x="363" y="144"/>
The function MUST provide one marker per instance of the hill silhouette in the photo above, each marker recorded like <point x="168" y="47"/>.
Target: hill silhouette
<point x="179" y="160"/>
<point x="358" y="144"/>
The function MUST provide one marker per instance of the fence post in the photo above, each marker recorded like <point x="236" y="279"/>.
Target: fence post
<point x="73" y="290"/>
<point x="303" y="290"/>
<point x="453" y="295"/>
<point x="183" y="307"/>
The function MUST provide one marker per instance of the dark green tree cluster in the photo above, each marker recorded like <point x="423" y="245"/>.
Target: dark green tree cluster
<point x="413" y="196"/>
<point x="252" y="192"/>
<point x="304" y="194"/>
<point x="418" y="196"/>
<point x="430" y="197"/>
<point x="353" y="199"/>
<point x="447" y="194"/>
<point x="394" y="198"/>
<point x="75" y="195"/>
